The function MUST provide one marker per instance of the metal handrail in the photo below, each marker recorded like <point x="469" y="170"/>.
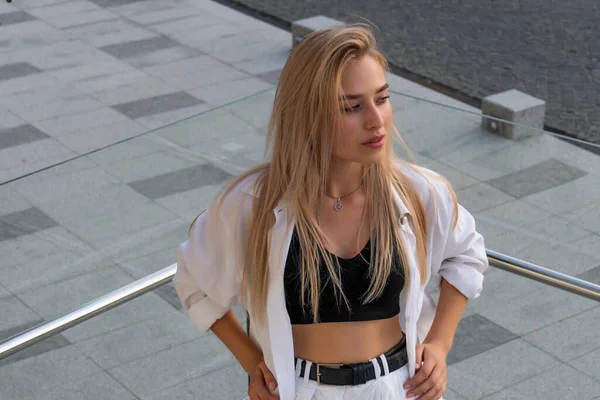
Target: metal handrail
<point x="544" y="275"/>
<point x="135" y="289"/>
<point x="95" y="307"/>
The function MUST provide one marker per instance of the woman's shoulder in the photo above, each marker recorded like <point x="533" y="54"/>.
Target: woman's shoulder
<point x="425" y="181"/>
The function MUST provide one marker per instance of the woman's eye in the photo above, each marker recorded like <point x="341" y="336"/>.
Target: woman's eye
<point x="384" y="99"/>
<point x="353" y="108"/>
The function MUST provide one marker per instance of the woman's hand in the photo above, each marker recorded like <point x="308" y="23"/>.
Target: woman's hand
<point x="430" y="380"/>
<point x="261" y="382"/>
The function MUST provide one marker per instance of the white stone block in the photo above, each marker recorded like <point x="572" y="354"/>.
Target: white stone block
<point x="514" y="107"/>
<point x="306" y="26"/>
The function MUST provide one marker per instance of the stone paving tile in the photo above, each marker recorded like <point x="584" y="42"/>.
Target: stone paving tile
<point x="587" y="217"/>
<point x="52" y="343"/>
<point x="16" y="70"/>
<point x="157" y="104"/>
<point x="65" y="124"/>
<point x="137" y="47"/>
<point x="161" y="120"/>
<point x="131" y="255"/>
<point x="187" y="205"/>
<point x="506" y="161"/>
<point x="537" y="309"/>
<point x="113" y="212"/>
<point x="179" y="181"/>
<point x="173" y="12"/>
<point x="475" y="335"/>
<point x="15" y="17"/>
<point x="559" y="229"/>
<point x="160" y="57"/>
<point x="28" y="35"/>
<point x="13" y="314"/>
<point x="72" y="13"/>
<point x="40" y="96"/>
<point x="28" y="4"/>
<point x="24" y="222"/>
<point x="23" y="379"/>
<point x="497" y="368"/>
<point x="250" y="48"/>
<point x="592" y="275"/>
<point x="460" y="150"/>
<point x="48" y="269"/>
<point x="187" y="23"/>
<point x="61" y="297"/>
<point x="9" y="119"/>
<point x="263" y="64"/>
<point x="68" y="54"/>
<point x="204" y="78"/>
<point x="28" y="248"/>
<point x="561" y="382"/>
<point x="184" y="67"/>
<point x="175" y="366"/>
<point x="271" y="77"/>
<point x="125" y="86"/>
<point x="518" y="213"/>
<point x="116" y="3"/>
<point x="143" y="308"/>
<point x="138" y="147"/>
<point x="57" y="108"/>
<point x="26" y="83"/>
<point x="169" y="294"/>
<point x="226" y="383"/>
<point x="90" y="71"/>
<point x="570" y="338"/>
<point x="588" y="364"/>
<point x="559" y="258"/>
<point x="537" y="178"/>
<point x="148" y="166"/>
<point x="18" y="135"/>
<point x="139" y="340"/>
<point x="208" y="38"/>
<point x="133" y="8"/>
<point x="106" y="33"/>
<point x="97" y="386"/>
<point x="226" y="92"/>
<point x="563" y="199"/>
<point x="469" y="386"/>
<point x="482" y="197"/>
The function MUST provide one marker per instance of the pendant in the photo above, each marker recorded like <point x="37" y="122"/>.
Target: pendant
<point x="338" y="206"/>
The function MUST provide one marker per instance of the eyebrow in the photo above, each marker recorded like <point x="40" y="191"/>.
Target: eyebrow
<point x="359" y="96"/>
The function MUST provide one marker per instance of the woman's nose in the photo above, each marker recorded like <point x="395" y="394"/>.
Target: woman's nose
<point x="374" y="119"/>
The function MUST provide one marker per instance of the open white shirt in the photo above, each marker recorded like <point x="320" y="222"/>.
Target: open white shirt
<point x="209" y="268"/>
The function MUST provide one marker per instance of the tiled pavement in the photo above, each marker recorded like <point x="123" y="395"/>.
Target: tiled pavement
<point x="79" y="75"/>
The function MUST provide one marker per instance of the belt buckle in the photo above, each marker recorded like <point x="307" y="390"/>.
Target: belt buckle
<point x="324" y="365"/>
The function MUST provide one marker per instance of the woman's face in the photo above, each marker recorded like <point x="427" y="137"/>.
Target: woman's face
<point x="367" y="113"/>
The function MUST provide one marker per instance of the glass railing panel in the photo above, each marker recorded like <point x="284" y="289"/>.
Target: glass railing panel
<point x="81" y="229"/>
<point x="536" y="199"/>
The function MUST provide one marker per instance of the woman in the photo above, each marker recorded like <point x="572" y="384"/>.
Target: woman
<point x="329" y="245"/>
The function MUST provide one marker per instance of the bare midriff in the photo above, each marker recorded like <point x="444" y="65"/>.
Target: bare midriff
<point x="345" y="342"/>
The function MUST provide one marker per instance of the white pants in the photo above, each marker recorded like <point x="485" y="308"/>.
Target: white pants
<point x="387" y="387"/>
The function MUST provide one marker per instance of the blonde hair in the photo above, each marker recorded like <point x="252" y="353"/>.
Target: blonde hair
<point x="305" y="115"/>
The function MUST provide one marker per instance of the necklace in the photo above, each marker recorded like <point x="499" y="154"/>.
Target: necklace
<point x="338" y="206"/>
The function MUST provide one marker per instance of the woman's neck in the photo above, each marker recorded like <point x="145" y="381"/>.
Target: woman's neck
<point x="344" y="177"/>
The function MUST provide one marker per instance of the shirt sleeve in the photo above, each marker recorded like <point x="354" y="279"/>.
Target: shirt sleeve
<point x="459" y="254"/>
<point x="207" y="279"/>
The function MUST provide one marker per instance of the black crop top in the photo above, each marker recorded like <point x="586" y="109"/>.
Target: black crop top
<point x="355" y="283"/>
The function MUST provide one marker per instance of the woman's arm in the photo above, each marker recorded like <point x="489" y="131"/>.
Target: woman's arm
<point x="229" y="330"/>
<point x="451" y="305"/>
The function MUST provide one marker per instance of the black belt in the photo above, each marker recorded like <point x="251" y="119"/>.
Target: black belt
<point x="356" y="374"/>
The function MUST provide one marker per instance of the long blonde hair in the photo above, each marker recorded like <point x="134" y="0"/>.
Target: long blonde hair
<point x="305" y="114"/>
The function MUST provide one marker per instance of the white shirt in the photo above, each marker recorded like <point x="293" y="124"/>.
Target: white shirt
<point x="209" y="266"/>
